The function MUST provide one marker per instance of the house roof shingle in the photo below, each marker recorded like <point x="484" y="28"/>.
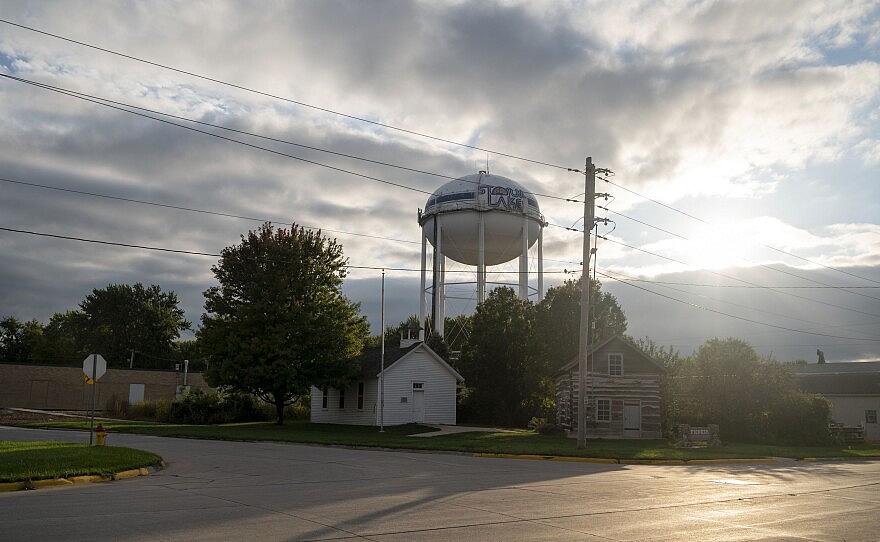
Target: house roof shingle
<point x="844" y="378"/>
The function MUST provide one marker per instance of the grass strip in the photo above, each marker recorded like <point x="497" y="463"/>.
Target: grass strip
<point x="37" y="460"/>
<point x="504" y="442"/>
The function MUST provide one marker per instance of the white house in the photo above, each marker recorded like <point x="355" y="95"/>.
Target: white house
<point x="853" y="389"/>
<point x="419" y="388"/>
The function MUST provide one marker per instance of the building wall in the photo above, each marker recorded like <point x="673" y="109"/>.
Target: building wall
<point x="350" y="415"/>
<point x="440" y="389"/>
<point x="62" y="388"/>
<point x="850" y="410"/>
<point x="417" y="366"/>
<point x="644" y="388"/>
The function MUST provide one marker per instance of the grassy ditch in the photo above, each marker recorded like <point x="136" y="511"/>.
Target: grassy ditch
<point x="507" y="442"/>
<point x="41" y="459"/>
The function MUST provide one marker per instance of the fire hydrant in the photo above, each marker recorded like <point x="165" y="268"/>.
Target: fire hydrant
<point x="100" y="435"/>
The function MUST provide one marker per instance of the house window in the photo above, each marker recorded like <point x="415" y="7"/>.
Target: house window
<point x="418" y="386"/>
<point x="341" y="398"/>
<point x="324" y="397"/>
<point x="360" y="395"/>
<point x="603" y="410"/>
<point x="615" y="364"/>
<point x="870" y="416"/>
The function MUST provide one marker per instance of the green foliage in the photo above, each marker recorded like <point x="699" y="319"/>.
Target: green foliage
<point x="559" y="318"/>
<point x="201" y="408"/>
<point x="122" y="317"/>
<point x="545" y="427"/>
<point x="506" y="377"/>
<point x="278" y="322"/>
<point x="750" y="398"/>
<point x="111" y="321"/>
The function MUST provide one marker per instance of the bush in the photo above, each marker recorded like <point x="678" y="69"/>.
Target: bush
<point x="199" y="407"/>
<point x="541" y="425"/>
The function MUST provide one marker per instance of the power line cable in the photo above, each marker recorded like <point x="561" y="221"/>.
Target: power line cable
<point x="218" y="255"/>
<point x="197" y="210"/>
<point x="758" y="322"/>
<point x="121" y="106"/>
<point x="732" y="277"/>
<point x="766" y="266"/>
<point x="698" y="219"/>
<point x="289" y="100"/>
<point x="218" y="136"/>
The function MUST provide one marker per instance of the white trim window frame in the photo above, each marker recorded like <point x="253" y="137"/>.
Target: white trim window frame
<point x="870" y="416"/>
<point x="617" y="369"/>
<point x="605" y="411"/>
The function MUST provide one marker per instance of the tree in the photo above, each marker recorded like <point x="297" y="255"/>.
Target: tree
<point x="559" y="316"/>
<point x="124" y="317"/>
<point x="749" y="397"/>
<point x="278" y="322"/>
<point x="19" y="340"/>
<point x="508" y="381"/>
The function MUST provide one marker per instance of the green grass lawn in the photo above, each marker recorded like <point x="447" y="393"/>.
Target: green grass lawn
<point x="40" y="460"/>
<point x="509" y="442"/>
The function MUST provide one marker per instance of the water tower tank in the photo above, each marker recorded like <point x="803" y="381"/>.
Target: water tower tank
<point x="503" y="203"/>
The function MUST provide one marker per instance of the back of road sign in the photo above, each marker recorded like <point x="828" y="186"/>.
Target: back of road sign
<point x="94" y="367"/>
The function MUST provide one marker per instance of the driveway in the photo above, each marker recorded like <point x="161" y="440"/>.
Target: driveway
<point x="216" y="490"/>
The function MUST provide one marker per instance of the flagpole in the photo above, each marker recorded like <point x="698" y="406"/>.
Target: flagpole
<point x="382" y="360"/>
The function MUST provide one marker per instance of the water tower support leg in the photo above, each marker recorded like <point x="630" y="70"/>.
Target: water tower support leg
<point x="422" y="304"/>
<point x="524" y="261"/>
<point x="481" y="261"/>
<point x="441" y="308"/>
<point x="540" y="263"/>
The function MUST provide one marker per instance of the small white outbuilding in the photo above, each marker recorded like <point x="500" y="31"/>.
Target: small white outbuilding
<point x="419" y="388"/>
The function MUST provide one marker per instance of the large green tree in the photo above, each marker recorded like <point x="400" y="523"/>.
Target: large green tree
<point x="124" y="317"/>
<point x="750" y="397"/>
<point x="278" y="322"/>
<point x="508" y="381"/>
<point x="19" y="340"/>
<point x="559" y="315"/>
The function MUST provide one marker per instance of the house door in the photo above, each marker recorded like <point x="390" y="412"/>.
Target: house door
<point x="418" y="402"/>
<point x="632" y="419"/>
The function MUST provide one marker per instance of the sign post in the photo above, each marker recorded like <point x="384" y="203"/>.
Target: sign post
<point x="94" y="367"/>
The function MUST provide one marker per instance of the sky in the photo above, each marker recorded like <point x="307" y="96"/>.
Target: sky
<point x="759" y="118"/>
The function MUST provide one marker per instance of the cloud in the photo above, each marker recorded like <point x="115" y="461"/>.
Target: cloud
<point x="684" y="100"/>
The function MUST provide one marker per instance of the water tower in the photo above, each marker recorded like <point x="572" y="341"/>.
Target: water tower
<point x="479" y="220"/>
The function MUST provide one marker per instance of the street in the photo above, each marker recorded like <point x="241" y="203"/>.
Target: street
<point x="214" y="490"/>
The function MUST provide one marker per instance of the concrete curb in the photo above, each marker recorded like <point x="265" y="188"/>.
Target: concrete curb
<point x="82" y="479"/>
<point x="609" y="461"/>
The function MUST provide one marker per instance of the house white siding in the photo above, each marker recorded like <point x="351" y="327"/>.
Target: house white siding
<point x="439" y="386"/>
<point x="850" y="410"/>
<point x="420" y="366"/>
<point x="351" y="414"/>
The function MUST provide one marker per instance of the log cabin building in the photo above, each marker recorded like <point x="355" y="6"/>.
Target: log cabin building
<point x="624" y="392"/>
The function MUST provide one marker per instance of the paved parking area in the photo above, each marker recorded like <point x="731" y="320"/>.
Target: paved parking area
<point x="215" y="490"/>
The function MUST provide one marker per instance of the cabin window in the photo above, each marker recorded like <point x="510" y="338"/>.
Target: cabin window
<point x="418" y="386"/>
<point x="360" y="395"/>
<point x="615" y="364"/>
<point x="324" y="397"/>
<point x="603" y="410"/>
<point x="870" y="416"/>
<point x="341" y="398"/>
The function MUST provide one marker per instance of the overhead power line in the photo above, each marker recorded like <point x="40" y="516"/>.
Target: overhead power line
<point x="197" y="210"/>
<point x="766" y="266"/>
<point x="218" y="255"/>
<point x="698" y="219"/>
<point x="285" y="99"/>
<point x="137" y="110"/>
<point x="758" y="322"/>
<point x="744" y="281"/>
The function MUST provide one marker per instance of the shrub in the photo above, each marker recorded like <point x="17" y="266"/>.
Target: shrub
<point x="541" y="425"/>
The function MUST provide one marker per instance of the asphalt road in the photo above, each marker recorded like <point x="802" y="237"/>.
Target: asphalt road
<point x="262" y="491"/>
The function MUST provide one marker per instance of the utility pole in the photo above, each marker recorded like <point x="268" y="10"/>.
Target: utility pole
<point x="583" y="346"/>
<point x="382" y="361"/>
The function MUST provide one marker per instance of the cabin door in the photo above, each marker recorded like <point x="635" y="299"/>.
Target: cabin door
<point x="632" y="419"/>
<point x="418" y="402"/>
